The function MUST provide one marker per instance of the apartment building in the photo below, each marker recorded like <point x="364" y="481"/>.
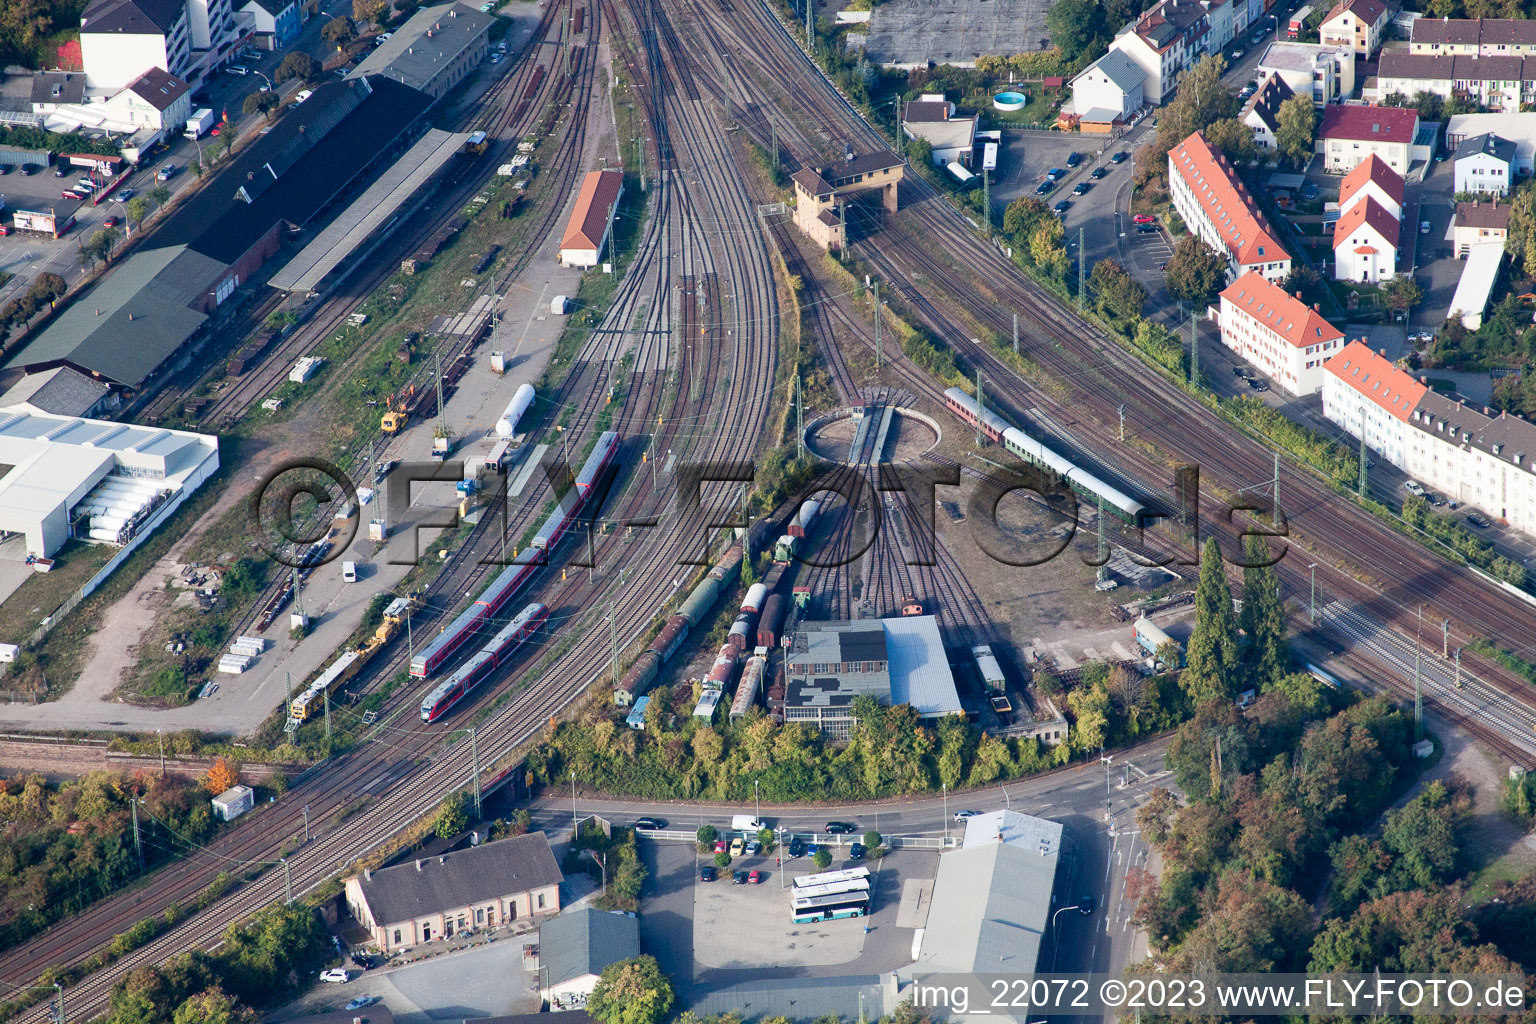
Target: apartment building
<point x="1168" y="39"/>
<point x="1325" y="73"/>
<point x="1277" y="332"/>
<point x="1485" y="163"/>
<point x="1367" y="395"/>
<point x="1479" y="223"/>
<point x="1216" y="207"/>
<point x="1501" y="83"/>
<point x="1357" y="24"/>
<point x="121" y="39"/>
<point x="1475" y="457"/>
<point x="1483" y="37"/>
<point x="1348" y="135"/>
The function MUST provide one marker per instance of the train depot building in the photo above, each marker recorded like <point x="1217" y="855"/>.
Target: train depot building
<point x="823" y="195"/>
<point x="591" y="225"/>
<point x="896" y="661"/>
<point x="431" y="898"/>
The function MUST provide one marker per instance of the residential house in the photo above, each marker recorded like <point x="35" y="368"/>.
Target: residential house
<point x="1501" y="83"/>
<point x="275" y="23"/>
<point x="1517" y="128"/>
<point x="485" y="886"/>
<point x="576" y="946"/>
<point x="1357" y="24"/>
<point x="1325" y="73"/>
<point x="121" y="39"/>
<point x="1373" y="179"/>
<point x="156" y="99"/>
<point x="1168" y="39"/>
<point x="1474" y="457"/>
<point x="932" y="118"/>
<point x="1485" y="163"/>
<point x="1367" y="395"/>
<point x="1288" y="340"/>
<point x="1349" y="134"/>
<point x="1262" y="111"/>
<point x="1216" y="207"/>
<point x="1482" y="37"/>
<point x="1365" y="243"/>
<point x="1479" y="223"/>
<point x="1110" y="90"/>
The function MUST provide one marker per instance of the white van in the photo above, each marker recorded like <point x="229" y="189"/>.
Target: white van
<point x="349" y="572"/>
<point x="745" y="823"/>
<point x="1414" y="487"/>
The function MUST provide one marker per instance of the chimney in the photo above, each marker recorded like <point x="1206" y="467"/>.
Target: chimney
<point x="367" y="874"/>
<point x="418" y="863"/>
<point x="98" y="312"/>
<point x="1298" y="295"/>
<point x="130" y="317"/>
<point x="442" y="860"/>
<point x="1316" y="308"/>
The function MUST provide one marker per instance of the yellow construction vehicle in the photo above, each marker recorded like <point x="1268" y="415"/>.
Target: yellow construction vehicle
<point x="395" y="416"/>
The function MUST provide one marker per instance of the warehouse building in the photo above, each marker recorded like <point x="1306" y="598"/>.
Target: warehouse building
<point x="895" y="661"/>
<point x="576" y="946"/>
<point x="94" y="480"/>
<point x="465" y="891"/>
<point x="591" y="224"/>
<point x="433" y="51"/>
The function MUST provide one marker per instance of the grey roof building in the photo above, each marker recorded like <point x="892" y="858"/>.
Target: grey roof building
<point x="61" y="391"/>
<point x="438" y="897"/>
<point x="125" y="327"/>
<point x="896" y="661"/>
<point x="433" y="51"/>
<point x="576" y="946"/>
<point x="58" y="87"/>
<point x="138" y="17"/>
<point x="1486" y="144"/>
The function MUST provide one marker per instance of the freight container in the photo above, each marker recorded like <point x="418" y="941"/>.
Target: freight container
<point x="805" y="520"/>
<point x="768" y="623"/>
<point x="740" y="634"/>
<point x="746" y="690"/>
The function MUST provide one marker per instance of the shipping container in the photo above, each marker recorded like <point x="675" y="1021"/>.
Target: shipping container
<point x="768" y="623"/>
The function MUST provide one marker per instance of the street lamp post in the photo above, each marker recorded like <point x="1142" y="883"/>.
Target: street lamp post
<point x="944" y="788"/>
<point x="757" y="801"/>
<point x="602" y="864"/>
<point x="1312" y="606"/>
<point x="573" y="804"/>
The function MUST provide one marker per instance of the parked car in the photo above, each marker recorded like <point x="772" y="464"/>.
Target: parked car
<point x="1258" y="383"/>
<point x="126" y="194"/>
<point x="383" y="470"/>
<point x="1098" y="172"/>
<point x="1055" y="174"/>
<point x="1081" y="188"/>
<point x="720" y="845"/>
<point x="963" y="815"/>
<point x="1119" y="158"/>
<point x="1045" y="188"/>
<point x="6" y="168"/>
<point x="755" y="877"/>
<point x="1424" y="227"/>
<point x="1074" y="158"/>
<point x="1085" y="905"/>
<point x="1437" y="501"/>
<point x="166" y="173"/>
<point x="856" y="851"/>
<point x="5" y="229"/>
<point x="336" y="975"/>
<point x="738" y="847"/>
<point x="111" y="222"/>
<point x="1145" y="229"/>
<point x="1144" y="218"/>
<point x="1062" y="207"/>
<point x="1240" y="371"/>
<point x="67" y="194"/>
<point x="1235" y="55"/>
<point x="650" y="823"/>
<point x="238" y="69"/>
<point x="707" y="873"/>
<point x="1476" y="520"/>
<point x="1258" y="37"/>
<point x="796" y="848"/>
<point x="739" y="878"/>
<point x="495" y="58"/>
<point x="27" y="170"/>
<point x="1309" y="191"/>
<point x="841" y="828"/>
<point x="61" y="171"/>
<point x="1414" y="487"/>
<point x="810" y="849"/>
<point x="302" y="95"/>
<point x="362" y="1001"/>
<point x="754" y="848"/>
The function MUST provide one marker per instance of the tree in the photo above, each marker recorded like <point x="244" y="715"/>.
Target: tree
<point x="1269" y="647"/>
<point x="920" y="152"/>
<point x="1195" y="272"/>
<point x="136" y="209"/>
<point x="452" y="816"/>
<point x="823" y="859"/>
<point x="1295" y="125"/>
<point x="338" y="31"/>
<point x="1048" y="250"/>
<point x="213" y="1006"/>
<point x="224" y="775"/>
<point x="1202" y="100"/>
<point x="872" y="840"/>
<point x="706" y="835"/>
<point x="1233" y="138"/>
<point x="101" y="244"/>
<point x="260" y="103"/>
<point x="722" y="859"/>
<point x="1431" y="106"/>
<point x="631" y="991"/>
<point x="1076" y="26"/>
<point x="298" y="65"/>
<point x="1116" y="292"/>
<point x="1402" y="292"/>
<point x="370" y="11"/>
<point x="1211" y="663"/>
<point x="1022" y="216"/>
<point x="161" y="194"/>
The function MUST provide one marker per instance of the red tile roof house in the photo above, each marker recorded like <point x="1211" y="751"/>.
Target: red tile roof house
<point x="1365" y="244"/>
<point x="1363" y="392"/>
<point x="1277" y="332"/>
<point x="1373" y="179"/>
<point x="591" y="223"/>
<point x="1350" y="134"/>
<point x="1216" y="207"/>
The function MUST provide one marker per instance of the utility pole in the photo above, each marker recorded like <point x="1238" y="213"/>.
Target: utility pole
<point x="986" y="201"/>
<point x="1122" y="421"/>
<point x="58" y="989"/>
<point x="474" y="759"/>
<point x="878" y="353"/>
<point x="161" y="737"/>
<point x="810" y="37"/>
<point x="799" y="407"/>
<point x="1458" y="668"/>
<point x="1274" y="515"/>
<point x="442" y="415"/>
<point x="1015" y="334"/>
<point x="137" y="845"/>
<point x="1445" y="641"/>
<point x="306" y="823"/>
<point x="1194" y="352"/>
<point x="1312" y="608"/>
<point x="287" y="882"/>
<point x="981" y="408"/>
<point x="1418" y="691"/>
<point x="298" y="593"/>
<point x="773" y="136"/>
<point x="327" y="695"/>
<point x="1082" y="271"/>
<point x="288" y="687"/>
<point x="1108" y="816"/>
<point x="1362" y="459"/>
<point x="613" y="629"/>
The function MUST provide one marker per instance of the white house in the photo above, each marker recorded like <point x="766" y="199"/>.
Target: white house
<point x="121" y="39"/>
<point x="1216" y="207"/>
<point x="1168" y="39"/>
<point x="1517" y="128"/>
<point x="156" y="99"/>
<point x="1325" y="73"/>
<point x="1109" y="90"/>
<point x="1262" y="111"/>
<point x="1349" y="134"/>
<point x="1485" y="163"/>
<point x="1373" y="179"/>
<point x="1357" y="24"/>
<point x="1364" y="393"/>
<point x="1479" y="223"/>
<point x="1475" y="458"/>
<point x="1278" y="333"/>
<point x="1365" y="244"/>
<point x="932" y="118"/>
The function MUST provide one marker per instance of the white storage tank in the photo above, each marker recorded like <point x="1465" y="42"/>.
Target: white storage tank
<point x="756" y="595"/>
<point x="521" y="400"/>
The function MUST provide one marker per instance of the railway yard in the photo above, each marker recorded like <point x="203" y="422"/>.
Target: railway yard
<point x="723" y="338"/>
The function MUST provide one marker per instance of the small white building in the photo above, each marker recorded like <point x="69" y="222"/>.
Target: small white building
<point x="1357" y="24"/>
<point x="1325" y="73"/>
<point x="1364" y="393"/>
<point x="1278" y="333"/>
<point x="1109" y="90"/>
<point x="1517" y="128"/>
<point x="1476" y="283"/>
<point x="1374" y="180"/>
<point x="233" y="802"/>
<point x="591" y="224"/>
<point x="575" y="947"/>
<point x="1365" y="244"/>
<point x="1485" y="163"/>
<point x="1262" y="111"/>
<point x="932" y="118"/>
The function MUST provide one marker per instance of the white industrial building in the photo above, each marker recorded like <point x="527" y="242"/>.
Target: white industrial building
<point x="93" y="479"/>
<point x="1283" y="336"/>
<point x="1475" y="285"/>
<point x="1364" y="393"/>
